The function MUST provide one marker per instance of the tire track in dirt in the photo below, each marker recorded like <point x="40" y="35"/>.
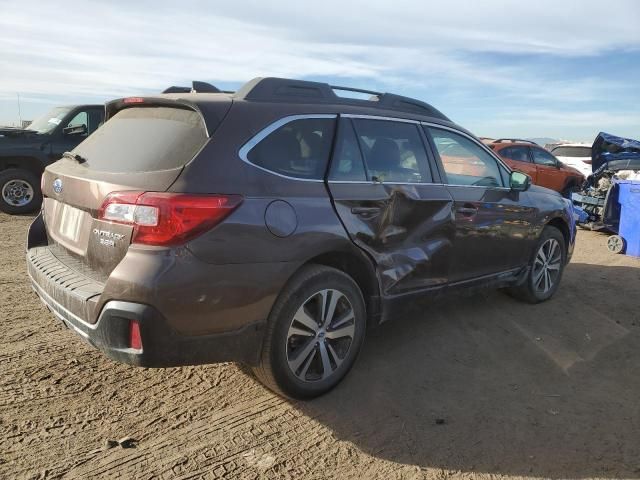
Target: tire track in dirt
<point x="60" y="400"/>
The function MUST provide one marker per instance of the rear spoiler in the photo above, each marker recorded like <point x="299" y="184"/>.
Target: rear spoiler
<point x="211" y="113"/>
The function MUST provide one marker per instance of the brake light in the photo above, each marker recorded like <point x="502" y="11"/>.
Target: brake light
<point x="160" y="218"/>
<point x="133" y="100"/>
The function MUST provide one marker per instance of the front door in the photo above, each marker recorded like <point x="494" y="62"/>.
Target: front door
<point x="491" y="220"/>
<point x="390" y="202"/>
<point x="520" y="160"/>
<point x="549" y="173"/>
<point x="65" y="140"/>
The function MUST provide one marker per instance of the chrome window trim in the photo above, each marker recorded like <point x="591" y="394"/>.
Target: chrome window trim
<point x="265" y="132"/>
<point x="253" y="141"/>
<point x="378" y="117"/>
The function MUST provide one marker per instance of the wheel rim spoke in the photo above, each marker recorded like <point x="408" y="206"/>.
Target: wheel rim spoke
<point x="299" y="331"/>
<point x="333" y="298"/>
<point x="343" y="319"/>
<point x="346" y="331"/>
<point x="326" y="363"/>
<point x="542" y="255"/>
<point x="337" y="360"/>
<point x="305" y="367"/>
<point x="538" y="275"/>
<point x="306" y="352"/>
<point x="303" y="318"/>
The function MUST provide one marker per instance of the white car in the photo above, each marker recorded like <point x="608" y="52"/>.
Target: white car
<point x="576" y="155"/>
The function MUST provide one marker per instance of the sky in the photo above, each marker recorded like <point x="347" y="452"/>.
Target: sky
<point x="561" y="69"/>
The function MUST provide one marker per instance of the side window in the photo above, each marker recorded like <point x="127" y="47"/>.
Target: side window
<point x="465" y="162"/>
<point x="297" y="149"/>
<point x="393" y="151"/>
<point x="542" y="157"/>
<point x="519" y="154"/>
<point x="347" y="159"/>
<point x="96" y="119"/>
<point x="81" y="118"/>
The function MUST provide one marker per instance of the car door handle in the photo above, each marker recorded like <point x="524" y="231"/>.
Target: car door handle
<point x="365" y="210"/>
<point x="467" y="211"/>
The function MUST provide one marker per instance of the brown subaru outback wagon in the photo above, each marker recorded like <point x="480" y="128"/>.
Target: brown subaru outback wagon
<point x="273" y="226"/>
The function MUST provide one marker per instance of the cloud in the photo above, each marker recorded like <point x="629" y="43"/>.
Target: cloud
<point x="455" y="52"/>
<point x="116" y="47"/>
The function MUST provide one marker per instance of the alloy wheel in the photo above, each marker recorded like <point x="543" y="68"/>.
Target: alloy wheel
<point x="17" y="193"/>
<point x="546" y="267"/>
<point x="320" y="335"/>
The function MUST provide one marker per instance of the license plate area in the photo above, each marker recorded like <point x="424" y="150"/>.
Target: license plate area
<point x="70" y="222"/>
<point x="67" y="225"/>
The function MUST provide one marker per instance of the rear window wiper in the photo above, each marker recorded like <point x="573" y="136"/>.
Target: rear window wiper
<point x="74" y="156"/>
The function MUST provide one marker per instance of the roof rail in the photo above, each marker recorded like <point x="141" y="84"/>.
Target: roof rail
<point x="513" y="140"/>
<point x="197" y="87"/>
<point x="272" y="89"/>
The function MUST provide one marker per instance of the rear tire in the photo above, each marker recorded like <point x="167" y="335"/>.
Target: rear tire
<point x="314" y="333"/>
<point x="545" y="268"/>
<point x="19" y="191"/>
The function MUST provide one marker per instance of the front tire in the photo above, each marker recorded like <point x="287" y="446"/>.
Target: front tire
<point x="545" y="268"/>
<point x="314" y="334"/>
<point x="19" y="191"/>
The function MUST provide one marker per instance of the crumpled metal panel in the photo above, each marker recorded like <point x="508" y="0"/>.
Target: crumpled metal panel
<point x="610" y="152"/>
<point x="407" y="229"/>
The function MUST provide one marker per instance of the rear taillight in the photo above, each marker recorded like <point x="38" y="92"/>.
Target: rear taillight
<point x="160" y="218"/>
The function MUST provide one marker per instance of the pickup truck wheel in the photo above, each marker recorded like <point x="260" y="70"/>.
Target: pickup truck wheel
<point x="545" y="268"/>
<point x="314" y="333"/>
<point x="19" y="191"/>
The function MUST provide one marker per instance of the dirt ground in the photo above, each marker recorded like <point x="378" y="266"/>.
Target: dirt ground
<point x="477" y="387"/>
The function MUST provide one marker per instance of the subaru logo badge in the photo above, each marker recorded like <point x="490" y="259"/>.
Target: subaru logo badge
<point x="57" y="185"/>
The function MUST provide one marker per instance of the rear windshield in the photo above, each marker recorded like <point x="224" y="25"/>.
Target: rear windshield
<point x="572" y="151"/>
<point x="144" y="139"/>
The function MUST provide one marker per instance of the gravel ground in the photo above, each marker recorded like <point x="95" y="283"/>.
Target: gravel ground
<point x="476" y="387"/>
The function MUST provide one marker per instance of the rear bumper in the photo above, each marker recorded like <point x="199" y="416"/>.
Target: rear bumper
<point x="161" y="345"/>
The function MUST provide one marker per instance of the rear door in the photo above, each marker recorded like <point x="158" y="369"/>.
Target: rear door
<point x="491" y="220"/>
<point x="549" y="173"/>
<point x="520" y="160"/>
<point x="141" y="148"/>
<point x="390" y="202"/>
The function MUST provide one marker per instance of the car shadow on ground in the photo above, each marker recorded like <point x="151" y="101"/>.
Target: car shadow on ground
<point x="490" y="385"/>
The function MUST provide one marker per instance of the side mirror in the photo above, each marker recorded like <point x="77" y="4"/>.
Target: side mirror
<point x="75" y="130"/>
<point x="519" y="182"/>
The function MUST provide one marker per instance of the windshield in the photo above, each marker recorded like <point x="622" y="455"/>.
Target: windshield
<point x="575" y="152"/>
<point x="46" y="123"/>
